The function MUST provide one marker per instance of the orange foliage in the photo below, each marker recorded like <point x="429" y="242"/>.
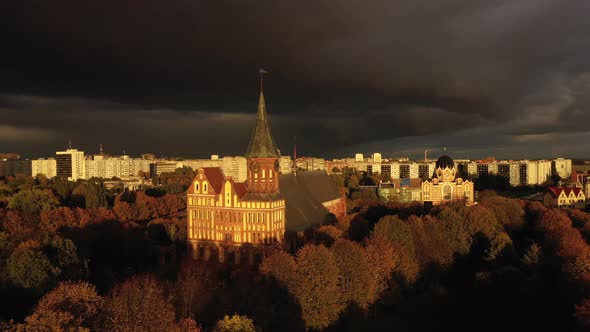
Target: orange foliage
<point x="139" y="304"/>
<point x="583" y="314"/>
<point x="566" y="242"/>
<point x="70" y="306"/>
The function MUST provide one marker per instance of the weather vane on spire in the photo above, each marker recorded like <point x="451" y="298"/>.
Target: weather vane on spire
<point x="262" y="72"/>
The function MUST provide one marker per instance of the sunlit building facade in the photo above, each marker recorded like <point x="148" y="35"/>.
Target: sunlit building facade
<point x="445" y="186"/>
<point x="227" y="217"/>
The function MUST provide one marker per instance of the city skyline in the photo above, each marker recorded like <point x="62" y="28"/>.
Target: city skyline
<point x="142" y="78"/>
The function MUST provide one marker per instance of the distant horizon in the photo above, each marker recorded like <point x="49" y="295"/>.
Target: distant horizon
<point x="414" y="157"/>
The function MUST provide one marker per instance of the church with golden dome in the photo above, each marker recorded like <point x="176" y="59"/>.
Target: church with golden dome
<point x="445" y="186"/>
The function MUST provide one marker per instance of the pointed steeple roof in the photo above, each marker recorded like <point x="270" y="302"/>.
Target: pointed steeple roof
<point x="262" y="145"/>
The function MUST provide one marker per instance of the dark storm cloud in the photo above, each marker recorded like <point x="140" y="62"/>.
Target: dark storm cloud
<point x="175" y="77"/>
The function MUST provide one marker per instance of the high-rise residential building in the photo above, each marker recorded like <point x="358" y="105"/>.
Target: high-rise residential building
<point x="285" y="164"/>
<point x="376" y="157"/>
<point x="236" y="167"/>
<point x="562" y="167"/>
<point x="224" y="214"/>
<point x="359" y="157"/>
<point x="13" y="167"/>
<point x="424" y="171"/>
<point x="538" y="172"/>
<point x="386" y="170"/>
<point x="404" y="171"/>
<point x="70" y="164"/>
<point x="46" y="167"/>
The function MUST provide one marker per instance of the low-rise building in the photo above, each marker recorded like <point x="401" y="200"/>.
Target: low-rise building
<point x="564" y="197"/>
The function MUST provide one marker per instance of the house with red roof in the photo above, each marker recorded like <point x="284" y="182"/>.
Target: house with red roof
<point x="564" y="197"/>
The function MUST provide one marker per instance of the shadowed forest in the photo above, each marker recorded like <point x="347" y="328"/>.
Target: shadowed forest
<point x="80" y="257"/>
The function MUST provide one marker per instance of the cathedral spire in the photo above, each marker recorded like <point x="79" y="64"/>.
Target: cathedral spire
<point x="262" y="144"/>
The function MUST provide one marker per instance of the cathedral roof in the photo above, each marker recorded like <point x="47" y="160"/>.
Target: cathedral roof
<point x="262" y="144"/>
<point x="215" y="177"/>
<point x="304" y="194"/>
<point x="445" y="162"/>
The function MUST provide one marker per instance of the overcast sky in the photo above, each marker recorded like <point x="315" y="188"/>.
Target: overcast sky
<point x="504" y="78"/>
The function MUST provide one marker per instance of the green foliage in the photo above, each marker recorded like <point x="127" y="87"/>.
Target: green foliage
<point x="33" y="201"/>
<point x="66" y="252"/>
<point x="235" y="323"/>
<point x="31" y="269"/>
<point x="90" y="194"/>
<point x="178" y="181"/>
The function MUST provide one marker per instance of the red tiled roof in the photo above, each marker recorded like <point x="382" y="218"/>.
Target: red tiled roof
<point x="215" y="177"/>
<point x="556" y="191"/>
<point x="240" y="188"/>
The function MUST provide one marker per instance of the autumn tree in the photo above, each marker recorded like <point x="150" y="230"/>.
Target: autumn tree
<point x="125" y="208"/>
<point x="317" y="291"/>
<point x="532" y="255"/>
<point x="383" y="258"/>
<point x="354" y="272"/>
<point x="432" y="245"/>
<point x="188" y="325"/>
<point x="565" y="241"/>
<point x="139" y="304"/>
<point x="281" y="266"/>
<point x="454" y="227"/>
<point x="53" y="220"/>
<point x="235" y="323"/>
<point x="327" y="234"/>
<point x="507" y="211"/>
<point x="394" y="230"/>
<point x="582" y="314"/>
<point x="195" y="286"/>
<point x="70" y="306"/>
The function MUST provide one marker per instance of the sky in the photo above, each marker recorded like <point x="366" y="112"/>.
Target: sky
<point x="504" y="78"/>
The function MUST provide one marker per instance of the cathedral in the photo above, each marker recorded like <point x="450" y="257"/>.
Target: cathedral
<point x="230" y="219"/>
<point x="445" y="186"/>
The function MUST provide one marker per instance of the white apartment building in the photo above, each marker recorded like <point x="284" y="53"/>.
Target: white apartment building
<point x="236" y="167"/>
<point x="46" y="167"/>
<point x="563" y="167"/>
<point x="70" y="164"/>
<point x="376" y="157"/>
<point x="539" y="171"/>
<point x="285" y="164"/>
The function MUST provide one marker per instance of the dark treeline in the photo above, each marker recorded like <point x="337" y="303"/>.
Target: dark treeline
<point x="118" y="264"/>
